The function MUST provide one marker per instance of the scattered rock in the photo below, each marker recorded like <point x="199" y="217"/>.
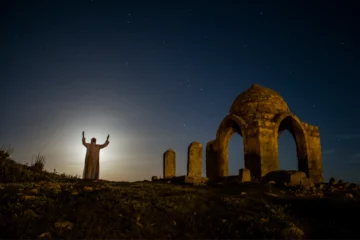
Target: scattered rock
<point x="154" y="178"/>
<point x="62" y="228"/>
<point x="332" y="181"/>
<point x="308" y="185"/>
<point x="293" y="232"/>
<point x="30" y="214"/>
<point x="45" y="235"/>
<point x="271" y="194"/>
<point x="243" y="194"/>
<point x="284" y="177"/>
<point x="349" y="196"/>
<point x="29" y="198"/>
<point x="34" y="191"/>
<point x="54" y="186"/>
<point x="347" y="185"/>
<point x="88" y="189"/>
<point x="244" y="175"/>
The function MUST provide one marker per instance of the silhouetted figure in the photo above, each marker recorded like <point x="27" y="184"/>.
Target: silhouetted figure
<point x="92" y="164"/>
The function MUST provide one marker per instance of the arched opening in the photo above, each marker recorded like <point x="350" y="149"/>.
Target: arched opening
<point x="291" y="131"/>
<point x="287" y="154"/>
<point x="235" y="152"/>
<point x="230" y="126"/>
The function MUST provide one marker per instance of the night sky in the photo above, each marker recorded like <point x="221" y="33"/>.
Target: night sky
<point x="161" y="74"/>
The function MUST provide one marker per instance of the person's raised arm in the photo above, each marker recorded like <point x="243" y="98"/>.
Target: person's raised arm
<point x="106" y="143"/>
<point x="83" y="140"/>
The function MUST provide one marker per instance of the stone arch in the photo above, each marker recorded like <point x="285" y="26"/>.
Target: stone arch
<point x="289" y="121"/>
<point x="228" y="126"/>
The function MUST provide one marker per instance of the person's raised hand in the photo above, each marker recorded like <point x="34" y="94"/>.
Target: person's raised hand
<point x="83" y="134"/>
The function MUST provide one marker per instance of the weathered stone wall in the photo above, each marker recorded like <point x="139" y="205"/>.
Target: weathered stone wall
<point x="169" y="164"/>
<point x="211" y="160"/>
<point x="314" y="153"/>
<point x="194" y="164"/>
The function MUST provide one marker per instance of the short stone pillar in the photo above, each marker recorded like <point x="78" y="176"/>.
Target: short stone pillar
<point x="244" y="175"/>
<point x="169" y="164"/>
<point x="194" y="163"/>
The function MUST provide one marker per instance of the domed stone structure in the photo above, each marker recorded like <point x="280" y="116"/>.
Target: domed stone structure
<point x="256" y="101"/>
<point x="260" y="115"/>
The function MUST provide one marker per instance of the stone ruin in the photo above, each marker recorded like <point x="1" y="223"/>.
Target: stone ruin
<point x="259" y="115"/>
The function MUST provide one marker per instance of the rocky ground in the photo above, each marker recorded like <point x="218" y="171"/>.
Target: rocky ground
<point x="38" y="204"/>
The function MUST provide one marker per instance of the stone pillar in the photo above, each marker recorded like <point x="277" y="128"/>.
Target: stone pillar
<point x="252" y="160"/>
<point x="211" y="158"/>
<point x="314" y="155"/>
<point x="222" y="160"/>
<point x="194" y="164"/>
<point x="169" y="164"/>
<point x="268" y="140"/>
<point x="244" y="175"/>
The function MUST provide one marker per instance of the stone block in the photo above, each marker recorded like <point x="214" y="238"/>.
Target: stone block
<point x="284" y="177"/>
<point x="194" y="164"/>
<point x="169" y="164"/>
<point x="244" y="175"/>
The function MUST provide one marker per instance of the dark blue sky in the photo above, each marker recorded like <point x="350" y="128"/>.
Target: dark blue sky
<point x="161" y="74"/>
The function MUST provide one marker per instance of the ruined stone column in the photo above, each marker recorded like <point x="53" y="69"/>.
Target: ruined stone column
<point x="252" y="160"/>
<point x="314" y="155"/>
<point x="222" y="160"/>
<point x="169" y="164"/>
<point x="194" y="164"/>
<point x="211" y="156"/>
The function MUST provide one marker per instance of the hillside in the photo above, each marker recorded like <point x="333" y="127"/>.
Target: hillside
<point x="35" y="203"/>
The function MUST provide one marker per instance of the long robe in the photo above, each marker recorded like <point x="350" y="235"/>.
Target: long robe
<point x="92" y="159"/>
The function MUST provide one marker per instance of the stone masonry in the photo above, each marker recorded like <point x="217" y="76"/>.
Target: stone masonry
<point x="194" y="164"/>
<point x="244" y="175"/>
<point x="169" y="164"/>
<point x="260" y="115"/>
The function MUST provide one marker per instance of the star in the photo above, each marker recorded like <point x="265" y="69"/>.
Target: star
<point x="201" y="89"/>
<point x="261" y="13"/>
<point x="342" y="43"/>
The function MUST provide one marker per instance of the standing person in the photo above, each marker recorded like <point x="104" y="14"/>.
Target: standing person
<point x="92" y="161"/>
